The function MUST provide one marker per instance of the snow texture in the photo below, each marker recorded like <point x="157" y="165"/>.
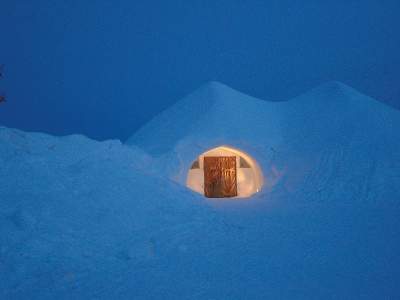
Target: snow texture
<point x="82" y="219"/>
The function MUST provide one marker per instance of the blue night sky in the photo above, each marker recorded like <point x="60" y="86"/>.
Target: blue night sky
<point x="103" y="68"/>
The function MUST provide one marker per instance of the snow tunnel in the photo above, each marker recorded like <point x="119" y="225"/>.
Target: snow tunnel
<point x="225" y="172"/>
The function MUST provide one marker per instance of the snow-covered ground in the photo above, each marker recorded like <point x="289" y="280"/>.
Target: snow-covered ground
<point x="81" y="219"/>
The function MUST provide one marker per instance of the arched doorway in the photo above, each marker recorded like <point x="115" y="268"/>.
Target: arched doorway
<point x="224" y="172"/>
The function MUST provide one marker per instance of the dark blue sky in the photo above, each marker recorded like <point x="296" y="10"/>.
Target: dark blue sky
<point x="103" y="68"/>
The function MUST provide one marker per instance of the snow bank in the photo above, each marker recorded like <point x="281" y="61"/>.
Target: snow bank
<point x="76" y="211"/>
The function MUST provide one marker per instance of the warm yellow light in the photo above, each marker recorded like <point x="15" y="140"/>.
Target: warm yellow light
<point x="249" y="180"/>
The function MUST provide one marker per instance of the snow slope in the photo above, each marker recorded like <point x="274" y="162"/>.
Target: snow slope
<point x="81" y="219"/>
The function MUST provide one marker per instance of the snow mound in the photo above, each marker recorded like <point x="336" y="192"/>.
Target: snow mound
<point x="213" y="112"/>
<point x="332" y="139"/>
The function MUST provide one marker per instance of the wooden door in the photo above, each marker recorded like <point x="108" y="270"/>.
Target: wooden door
<point x="220" y="176"/>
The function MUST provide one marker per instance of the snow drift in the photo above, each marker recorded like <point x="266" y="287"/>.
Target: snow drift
<point x="81" y="219"/>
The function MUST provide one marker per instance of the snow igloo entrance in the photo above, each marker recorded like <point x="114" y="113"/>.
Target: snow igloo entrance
<point x="224" y="172"/>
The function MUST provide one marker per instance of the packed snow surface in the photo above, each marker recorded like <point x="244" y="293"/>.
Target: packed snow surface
<point x="81" y="219"/>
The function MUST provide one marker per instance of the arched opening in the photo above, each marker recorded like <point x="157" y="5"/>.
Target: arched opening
<point x="224" y="172"/>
